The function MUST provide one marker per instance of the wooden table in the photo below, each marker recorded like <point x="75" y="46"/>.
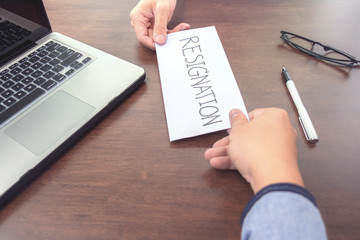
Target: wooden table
<point x="125" y="180"/>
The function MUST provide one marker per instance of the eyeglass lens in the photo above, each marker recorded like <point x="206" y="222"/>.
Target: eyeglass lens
<point x="318" y="49"/>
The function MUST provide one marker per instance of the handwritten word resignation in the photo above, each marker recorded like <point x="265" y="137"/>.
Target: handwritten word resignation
<point x="200" y="80"/>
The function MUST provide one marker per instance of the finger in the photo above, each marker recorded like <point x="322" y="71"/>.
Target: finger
<point x="221" y="163"/>
<point x="147" y="42"/>
<point x="222" y="142"/>
<point x="160" y="25"/>
<point x="180" y="27"/>
<point x="256" y="113"/>
<point x="237" y="117"/>
<point x="143" y="35"/>
<point x="215" y="152"/>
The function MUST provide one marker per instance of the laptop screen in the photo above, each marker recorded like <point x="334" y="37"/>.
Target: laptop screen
<point x="22" y="23"/>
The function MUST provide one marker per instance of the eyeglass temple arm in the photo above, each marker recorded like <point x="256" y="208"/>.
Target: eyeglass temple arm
<point x="353" y="59"/>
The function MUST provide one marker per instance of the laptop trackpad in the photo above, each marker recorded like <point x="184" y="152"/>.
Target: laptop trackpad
<point x="52" y="120"/>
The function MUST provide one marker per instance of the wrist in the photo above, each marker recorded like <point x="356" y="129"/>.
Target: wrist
<point x="276" y="173"/>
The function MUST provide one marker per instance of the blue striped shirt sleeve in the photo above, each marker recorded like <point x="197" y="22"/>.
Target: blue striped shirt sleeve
<point x="282" y="211"/>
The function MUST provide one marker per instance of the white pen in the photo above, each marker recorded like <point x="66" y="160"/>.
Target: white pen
<point x="304" y="118"/>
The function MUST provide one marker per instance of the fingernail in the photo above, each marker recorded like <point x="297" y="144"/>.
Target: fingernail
<point x="160" y="39"/>
<point x="185" y="27"/>
<point x="233" y="113"/>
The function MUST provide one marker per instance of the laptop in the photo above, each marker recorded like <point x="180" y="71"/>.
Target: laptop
<point x="52" y="90"/>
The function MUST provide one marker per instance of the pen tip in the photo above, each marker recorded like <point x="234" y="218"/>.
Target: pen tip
<point x="283" y="68"/>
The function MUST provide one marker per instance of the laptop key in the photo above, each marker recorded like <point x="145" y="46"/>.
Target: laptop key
<point x="6" y="77"/>
<point x="49" y="74"/>
<point x="36" y="74"/>
<point x="42" y="54"/>
<point x="49" y="43"/>
<point x="19" y="94"/>
<point x="32" y="55"/>
<point x="7" y="93"/>
<point x="41" y="49"/>
<point x="71" y="71"/>
<point x="45" y="59"/>
<point x="74" y="64"/>
<point x="59" y="77"/>
<point x="54" y="54"/>
<point x="54" y="62"/>
<point x="27" y="71"/>
<point x="29" y="87"/>
<point x="34" y="59"/>
<point x="61" y="49"/>
<point x="4" y="72"/>
<point x="14" y="66"/>
<point x="10" y="101"/>
<point x="15" y="71"/>
<point x="70" y="59"/>
<point x="17" y="87"/>
<point x="20" y="104"/>
<point x="23" y="60"/>
<point x="27" y="80"/>
<point x="37" y="65"/>
<point x="66" y="54"/>
<point x="39" y="81"/>
<point x="57" y="68"/>
<point x="18" y="77"/>
<point x="52" y="47"/>
<point x="25" y="65"/>
<point x="8" y="84"/>
<point x="49" y="84"/>
<point x="86" y="60"/>
<point x="45" y="68"/>
<point x="77" y="66"/>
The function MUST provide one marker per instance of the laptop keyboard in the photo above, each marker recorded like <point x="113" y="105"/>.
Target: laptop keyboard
<point x="36" y="74"/>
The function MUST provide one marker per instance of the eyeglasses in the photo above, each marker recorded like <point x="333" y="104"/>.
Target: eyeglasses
<point x="318" y="50"/>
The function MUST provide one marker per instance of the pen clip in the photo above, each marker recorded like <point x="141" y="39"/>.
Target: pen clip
<point x="304" y="129"/>
<point x="310" y="138"/>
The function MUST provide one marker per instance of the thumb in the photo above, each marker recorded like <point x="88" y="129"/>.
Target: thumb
<point x="160" y="27"/>
<point x="237" y="117"/>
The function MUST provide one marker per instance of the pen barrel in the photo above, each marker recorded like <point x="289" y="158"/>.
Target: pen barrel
<point x="304" y="117"/>
<point x="294" y="94"/>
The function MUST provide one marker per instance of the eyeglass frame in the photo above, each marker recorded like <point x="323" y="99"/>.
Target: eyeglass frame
<point x="349" y="63"/>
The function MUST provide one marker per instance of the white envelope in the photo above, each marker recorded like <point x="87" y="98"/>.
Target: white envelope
<point x="199" y="88"/>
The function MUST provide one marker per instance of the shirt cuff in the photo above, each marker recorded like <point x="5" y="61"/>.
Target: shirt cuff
<point x="278" y="187"/>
